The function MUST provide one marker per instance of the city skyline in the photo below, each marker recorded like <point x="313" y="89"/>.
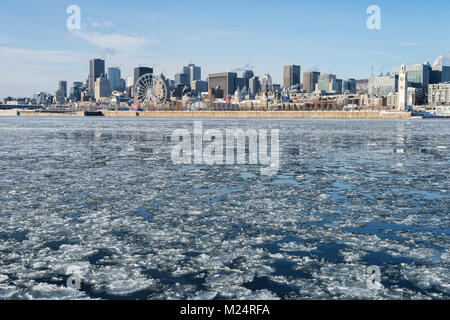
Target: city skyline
<point x="330" y="37"/>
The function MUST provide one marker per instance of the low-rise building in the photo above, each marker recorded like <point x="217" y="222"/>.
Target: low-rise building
<point x="439" y="94"/>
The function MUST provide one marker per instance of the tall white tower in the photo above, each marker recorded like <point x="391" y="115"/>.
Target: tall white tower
<point x="402" y="89"/>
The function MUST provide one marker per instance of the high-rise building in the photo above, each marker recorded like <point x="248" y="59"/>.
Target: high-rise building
<point x="291" y="76"/>
<point x="195" y="72"/>
<point x="96" y="69"/>
<point x="140" y="71"/>
<point x="248" y="74"/>
<point x="381" y="86"/>
<point x="310" y="80"/>
<point x="114" y="78"/>
<point x="351" y="86"/>
<point x="199" y="86"/>
<point x="240" y="83"/>
<point x="63" y="88"/>
<point x="102" y="88"/>
<point x="182" y="79"/>
<point x="227" y="81"/>
<point x="130" y="82"/>
<point x="362" y="86"/>
<point x="418" y="75"/>
<point x="440" y="74"/>
<point x="439" y="94"/>
<point x="192" y="71"/>
<point x="254" y="85"/>
<point x="267" y="83"/>
<point x="327" y="83"/>
<point x="338" y="86"/>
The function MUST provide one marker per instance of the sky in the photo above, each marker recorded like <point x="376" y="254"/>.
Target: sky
<point x="37" y="49"/>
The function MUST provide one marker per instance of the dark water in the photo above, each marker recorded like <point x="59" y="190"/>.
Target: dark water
<point x="101" y="198"/>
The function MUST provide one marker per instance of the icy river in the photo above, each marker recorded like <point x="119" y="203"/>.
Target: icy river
<point x="100" y="198"/>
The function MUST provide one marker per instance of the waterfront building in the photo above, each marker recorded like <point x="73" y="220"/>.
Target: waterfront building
<point x="254" y="85"/>
<point x="140" y="71"/>
<point x="199" y="86"/>
<point x="182" y="79"/>
<point x="351" y="86"/>
<point x="267" y="84"/>
<point x="114" y="79"/>
<point x="102" y="88"/>
<point x="291" y="76"/>
<point x="240" y="83"/>
<point x="192" y="72"/>
<point x="392" y="100"/>
<point x="75" y="91"/>
<point x="40" y="98"/>
<point x="381" y="86"/>
<point x="337" y="89"/>
<point x="310" y="79"/>
<point x="418" y="75"/>
<point x="327" y="83"/>
<point x="362" y="86"/>
<point x="96" y="69"/>
<point x="247" y="75"/>
<point x="63" y="88"/>
<point x="439" y="94"/>
<point x="440" y="74"/>
<point x="227" y="81"/>
<point x="195" y="72"/>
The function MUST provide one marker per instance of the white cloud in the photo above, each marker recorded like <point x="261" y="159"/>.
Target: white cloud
<point x="443" y="60"/>
<point x="14" y="57"/>
<point x="4" y="39"/>
<point x="115" y="42"/>
<point x="25" y="71"/>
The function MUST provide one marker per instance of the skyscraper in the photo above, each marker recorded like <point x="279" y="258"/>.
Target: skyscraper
<point x="182" y="79"/>
<point x="227" y="81"/>
<point x="63" y="88"/>
<point x="267" y="83"/>
<point x="195" y="72"/>
<point x="102" y="88"/>
<point x="418" y="75"/>
<point x="310" y="79"/>
<point x="247" y="75"/>
<point x="140" y="71"/>
<point x="254" y="85"/>
<point x="96" y="69"/>
<point x="114" y="78"/>
<point x="440" y="74"/>
<point x="291" y="76"/>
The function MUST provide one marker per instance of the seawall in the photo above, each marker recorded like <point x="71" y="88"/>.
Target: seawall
<point x="220" y="114"/>
<point x="277" y="114"/>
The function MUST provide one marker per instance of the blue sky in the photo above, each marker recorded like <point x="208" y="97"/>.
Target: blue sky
<point x="37" y="49"/>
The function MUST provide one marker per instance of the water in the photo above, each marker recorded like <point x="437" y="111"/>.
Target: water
<point x="101" y="196"/>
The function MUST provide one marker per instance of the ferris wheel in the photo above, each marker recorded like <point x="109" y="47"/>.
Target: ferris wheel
<point x="151" y="89"/>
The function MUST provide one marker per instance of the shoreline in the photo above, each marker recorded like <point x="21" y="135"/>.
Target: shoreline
<point x="380" y="115"/>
